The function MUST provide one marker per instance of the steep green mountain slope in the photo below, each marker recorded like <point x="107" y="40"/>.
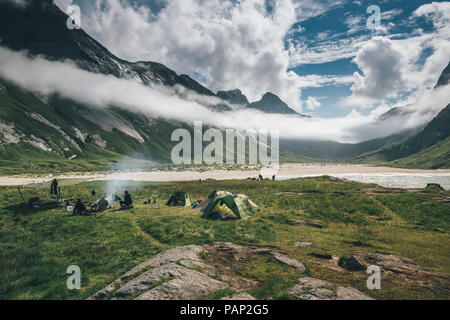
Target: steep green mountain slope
<point x="336" y="151"/>
<point x="32" y="129"/>
<point x="435" y="157"/>
<point x="429" y="148"/>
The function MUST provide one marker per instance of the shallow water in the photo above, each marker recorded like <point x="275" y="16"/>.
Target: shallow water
<point x="396" y="180"/>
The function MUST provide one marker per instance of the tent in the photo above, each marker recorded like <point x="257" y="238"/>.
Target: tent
<point x="179" y="199"/>
<point x="227" y="204"/>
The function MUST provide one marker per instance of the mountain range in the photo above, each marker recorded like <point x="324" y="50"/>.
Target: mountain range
<point x="64" y="132"/>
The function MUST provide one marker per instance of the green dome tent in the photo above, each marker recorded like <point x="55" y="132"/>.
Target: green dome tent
<point x="179" y="199"/>
<point x="227" y="204"/>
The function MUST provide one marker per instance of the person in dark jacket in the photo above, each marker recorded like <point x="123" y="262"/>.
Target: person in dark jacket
<point x="103" y="203"/>
<point x="54" y="188"/>
<point x="128" y="201"/>
<point x="80" y="208"/>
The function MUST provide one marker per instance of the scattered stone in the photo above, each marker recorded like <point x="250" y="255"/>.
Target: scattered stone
<point x="351" y="263"/>
<point x="263" y="251"/>
<point x="377" y="191"/>
<point x="184" y="273"/>
<point x="347" y="293"/>
<point x="305" y="223"/>
<point x="315" y="289"/>
<point x="288" y="194"/>
<point x="290" y="262"/>
<point x="407" y="269"/>
<point x="243" y="296"/>
<point x="302" y="244"/>
<point x="324" y="256"/>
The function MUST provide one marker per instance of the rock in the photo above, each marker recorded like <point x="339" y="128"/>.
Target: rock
<point x="290" y="262"/>
<point x="315" y="289"/>
<point x="345" y="293"/>
<point x="322" y="255"/>
<point x="190" y="252"/>
<point x="407" y="269"/>
<point x="302" y="222"/>
<point x="162" y="278"/>
<point x="182" y="274"/>
<point x="389" y="262"/>
<point x="189" y="286"/>
<point x="263" y="251"/>
<point x="302" y="244"/>
<point x="193" y="264"/>
<point x="311" y="283"/>
<point x="351" y="263"/>
<point x="236" y="252"/>
<point x="240" y="296"/>
<point x="288" y="194"/>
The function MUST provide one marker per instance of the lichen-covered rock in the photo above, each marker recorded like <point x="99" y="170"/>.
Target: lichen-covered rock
<point x="290" y="262"/>
<point x="351" y="263"/>
<point x="407" y="269"/>
<point x="346" y="293"/>
<point x="300" y="244"/>
<point x="240" y="296"/>
<point x="295" y="222"/>
<point x="315" y="289"/>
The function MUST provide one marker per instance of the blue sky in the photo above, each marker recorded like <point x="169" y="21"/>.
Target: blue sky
<point x="305" y="51"/>
<point x="336" y="25"/>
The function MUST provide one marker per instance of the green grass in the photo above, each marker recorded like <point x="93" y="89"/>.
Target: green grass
<point x="37" y="244"/>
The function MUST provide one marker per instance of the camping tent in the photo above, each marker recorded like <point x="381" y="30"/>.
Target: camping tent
<point x="179" y="199"/>
<point x="227" y="204"/>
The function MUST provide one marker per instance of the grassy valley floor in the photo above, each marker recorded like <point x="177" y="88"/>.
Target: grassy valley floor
<point x="38" y="244"/>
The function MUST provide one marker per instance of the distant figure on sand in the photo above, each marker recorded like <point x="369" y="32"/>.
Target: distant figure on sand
<point x="273" y="178"/>
<point x="54" y="187"/>
<point x="80" y="208"/>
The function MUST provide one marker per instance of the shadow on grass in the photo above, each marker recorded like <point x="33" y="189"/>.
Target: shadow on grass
<point x="25" y="209"/>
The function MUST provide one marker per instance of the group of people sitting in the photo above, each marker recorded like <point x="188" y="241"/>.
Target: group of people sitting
<point x="102" y="205"/>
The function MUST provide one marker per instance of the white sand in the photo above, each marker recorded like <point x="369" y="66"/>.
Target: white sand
<point x="286" y="170"/>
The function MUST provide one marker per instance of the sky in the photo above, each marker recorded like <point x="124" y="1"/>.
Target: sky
<point x="320" y="57"/>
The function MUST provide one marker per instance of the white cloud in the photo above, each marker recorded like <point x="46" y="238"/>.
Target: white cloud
<point x="98" y="90"/>
<point x="312" y="103"/>
<point x="381" y="63"/>
<point x="231" y="44"/>
<point x="390" y="68"/>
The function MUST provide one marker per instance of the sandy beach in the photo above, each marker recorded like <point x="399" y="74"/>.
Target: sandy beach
<point x="286" y="170"/>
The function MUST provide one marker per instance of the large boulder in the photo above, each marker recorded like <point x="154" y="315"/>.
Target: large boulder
<point x="316" y="289"/>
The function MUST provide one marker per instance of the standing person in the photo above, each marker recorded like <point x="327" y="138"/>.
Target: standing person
<point x="273" y="178"/>
<point x="54" y="187"/>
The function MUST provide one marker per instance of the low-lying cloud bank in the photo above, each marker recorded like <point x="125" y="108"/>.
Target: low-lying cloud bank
<point x="45" y="77"/>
